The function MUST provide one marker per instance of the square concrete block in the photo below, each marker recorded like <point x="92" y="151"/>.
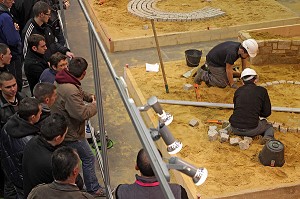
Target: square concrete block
<point x="223" y="131"/>
<point x="276" y="126"/>
<point x="248" y="139"/>
<point x="188" y="87"/>
<point x="263" y="85"/>
<point x="298" y="83"/>
<point x="269" y="83"/>
<point x="235" y="141"/>
<point x="292" y="130"/>
<point x="194" y="123"/>
<point x="275" y="82"/>
<point x="282" y="81"/>
<point x="290" y="82"/>
<point x="224" y="137"/>
<point x="212" y="128"/>
<point x="283" y="129"/>
<point x="244" y="144"/>
<point x="212" y="135"/>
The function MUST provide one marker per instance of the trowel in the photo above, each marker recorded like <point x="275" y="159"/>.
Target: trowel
<point x="190" y="72"/>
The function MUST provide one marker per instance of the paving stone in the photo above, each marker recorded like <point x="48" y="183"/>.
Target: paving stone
<point x="194" y="123"/>
<point x="269" y="83"/>
<point x="188" y="87"/>
<point x="283" y="129"/>
<point x="275" y="82"/>
<point x="224" y="137"/>
<point x="212" y="128"/>
<point x="292" y="130"/>
<point x="290" y="82"/>
<point x="298" y="83"/>
<point x="263" y="85"/>
<point x="212" y="135"/>
<point x="248" y="139"/>
<point x="244" y="144"/>
<point x="223" y="131"/>
<point x="276" y="126"/>
<point x="235" y="141"/>
<point x="282" y="81"/>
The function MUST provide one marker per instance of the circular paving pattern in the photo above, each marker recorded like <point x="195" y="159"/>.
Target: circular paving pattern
<point x="146" y="9"/>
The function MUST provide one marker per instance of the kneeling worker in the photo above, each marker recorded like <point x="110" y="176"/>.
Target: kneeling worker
<point x="218" y="69"/>
<point x="251" y="106"/>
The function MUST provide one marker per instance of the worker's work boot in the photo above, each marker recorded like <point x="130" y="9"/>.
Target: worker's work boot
<point x="198" y="77"/>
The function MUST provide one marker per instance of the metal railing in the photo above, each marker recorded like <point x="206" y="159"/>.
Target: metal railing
<point x="159" y="167"/>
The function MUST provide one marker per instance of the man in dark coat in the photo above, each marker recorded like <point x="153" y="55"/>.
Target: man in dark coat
<point x="15" y="134"/>
<point x="146" y="185"/>
<point x="35" y="63"/>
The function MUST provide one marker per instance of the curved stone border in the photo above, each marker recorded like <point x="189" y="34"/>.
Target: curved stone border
<point x="279" y="82"/>
<point x="146" y="9"/>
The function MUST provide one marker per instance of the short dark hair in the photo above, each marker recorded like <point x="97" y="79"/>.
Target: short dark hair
<point x="64" y="160"/>
<point x="77" y="66"/>
<point x="3" y="48"/>
<point x="6" y="76"/>
<point x="40" y="7"/>
<point x="56" y="58"/>
<point x="143" y="163"/>
<point x="43" y="90"/>
<point x="28" y="106"/>
<point x="34" y="40"/>
<point x="53" y="126"/>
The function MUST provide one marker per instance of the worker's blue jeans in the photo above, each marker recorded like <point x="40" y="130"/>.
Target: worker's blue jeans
<point x="88" y="164"/>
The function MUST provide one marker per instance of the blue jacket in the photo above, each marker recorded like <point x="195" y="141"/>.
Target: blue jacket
<point x="48" y="75"/>
<point x="8" y="33"/>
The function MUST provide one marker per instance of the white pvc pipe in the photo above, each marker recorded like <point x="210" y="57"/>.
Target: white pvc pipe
<point x="221" y="105"/>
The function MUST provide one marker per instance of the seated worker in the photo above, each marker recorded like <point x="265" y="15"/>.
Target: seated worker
<point x="251" y="106"/>
<point x="64" y="184"/>
<point x="218" y="69"/>
<point x="146" y="184"/>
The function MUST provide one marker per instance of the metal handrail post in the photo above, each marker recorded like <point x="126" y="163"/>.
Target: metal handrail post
<point x="63" y="19"/>
<point x="100" y="112"/>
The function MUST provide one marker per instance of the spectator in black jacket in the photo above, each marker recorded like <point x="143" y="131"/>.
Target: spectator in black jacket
<point x="146" y="185"/>
<point x="15" y="134"/>
<point x="35" y="63"/>
<point x="45" y="92"/>
<point x="38" y="25"/>
<point x="36" y="163"/>
<point x="5" y="57"/>
<point x="251" y="108"/>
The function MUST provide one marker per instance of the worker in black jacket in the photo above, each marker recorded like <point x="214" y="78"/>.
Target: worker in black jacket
<point x="251" y="108"/>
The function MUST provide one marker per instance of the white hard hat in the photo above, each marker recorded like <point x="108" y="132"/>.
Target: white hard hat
<point x="251" y="46"/>
<point x="249" y="73"/>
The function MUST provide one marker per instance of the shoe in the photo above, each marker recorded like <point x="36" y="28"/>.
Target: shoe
<point x="198" y="77"/>
<point x="101" y="192"/>
<point x="265" y="140"/>
<point x="25" y="83"/>
<point x="109" y="144"/>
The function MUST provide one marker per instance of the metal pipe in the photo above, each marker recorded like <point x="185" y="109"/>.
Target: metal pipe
<point x="221" y="105"/>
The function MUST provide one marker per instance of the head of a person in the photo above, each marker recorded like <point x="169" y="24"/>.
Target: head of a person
<point x="65" y="164"/>
<point x="54" y="128"/>
<point x="77" y="67"/>
<point x="58" y="61"/>
<point x="45" y="92"/>
<point x="5" y="54"/>
<point x="248" y="48"/>
<point x="249" y="75"/>
<point x="42" y="11"/>
<point x="37" y="43"/>
<point x="8" y="85"/>
<point x="7" y="3"/>
<point x="30" y="110"/>
<point x="143" y="163"/>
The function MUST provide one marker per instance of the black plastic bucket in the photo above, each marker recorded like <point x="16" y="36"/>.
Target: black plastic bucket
<point x="272" y="154"/>
<point x="193" y="57"/>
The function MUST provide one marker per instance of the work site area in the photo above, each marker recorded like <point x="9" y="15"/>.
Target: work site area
<point x="208" y="89"/>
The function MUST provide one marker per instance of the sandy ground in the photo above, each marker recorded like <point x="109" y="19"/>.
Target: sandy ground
<point x="230" y="169"/>
<point x="120" y="24"/>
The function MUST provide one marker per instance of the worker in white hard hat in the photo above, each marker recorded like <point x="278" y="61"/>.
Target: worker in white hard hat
<point x="218" y="69"/>
<point x="251" y="108"/>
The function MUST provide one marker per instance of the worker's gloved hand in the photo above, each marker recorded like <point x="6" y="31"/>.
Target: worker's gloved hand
<point x="234" y="86"/>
